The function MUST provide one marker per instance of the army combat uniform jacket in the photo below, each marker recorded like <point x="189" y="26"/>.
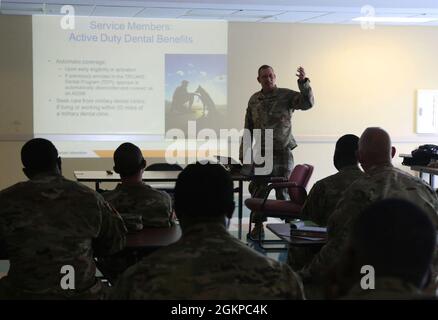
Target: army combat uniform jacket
<point x="50" y="222"/>
<point x="208" y="263"/>
<point x="318" y="207"/>
<point x="379" y="183"/>
<point x="274" y="111"/>
<point x="153" y="205"/>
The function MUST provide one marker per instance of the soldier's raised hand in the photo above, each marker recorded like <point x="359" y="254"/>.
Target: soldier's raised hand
<point x="301" y="74"/>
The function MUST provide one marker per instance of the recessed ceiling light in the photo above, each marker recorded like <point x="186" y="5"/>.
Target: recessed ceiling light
<point x="394" y="19"/>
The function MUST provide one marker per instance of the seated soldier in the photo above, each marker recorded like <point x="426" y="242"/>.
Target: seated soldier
<point x="207" y="262"/>
<point x="381" y="181"/>
<point x="50" y="223"/>
<point x="325" y="194"/>
<point x="133" y="196"/>
<point x="397" y="239"/>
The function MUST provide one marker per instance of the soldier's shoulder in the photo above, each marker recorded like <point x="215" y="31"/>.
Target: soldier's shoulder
<point x="17" y="187"/>
<point x="254" y="98"/>
<point x="160" y="194"/>
<point x="109" y="194"/>
<point x="342" y="176"/>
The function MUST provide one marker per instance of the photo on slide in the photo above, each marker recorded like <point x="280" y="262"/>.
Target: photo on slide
<point x="196" y="90"/>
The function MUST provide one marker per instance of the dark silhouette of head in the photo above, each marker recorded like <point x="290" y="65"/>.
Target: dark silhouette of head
<point x="128" y="160"/>
<point x="345" y="151"/>
<point x="39" y="156"/>
<point x="397" y="238"/>
<point x="375" y="148"/>
<point x="204" y="192"/>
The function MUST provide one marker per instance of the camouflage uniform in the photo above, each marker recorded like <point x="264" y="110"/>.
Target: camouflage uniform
<point x="208" y="263"/>
<point x="153" y="205"/>
<point x="319" y="205"/>
<point x="274" y="111"/>
<point x="49" y="222"/>
<point x="380" y="182"/>
<point x="386" y="288"/>
<point x="131" y="201"/>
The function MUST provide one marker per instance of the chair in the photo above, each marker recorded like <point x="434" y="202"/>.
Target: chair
<point x="163" y="166"/>
<point x="284" y="209"/>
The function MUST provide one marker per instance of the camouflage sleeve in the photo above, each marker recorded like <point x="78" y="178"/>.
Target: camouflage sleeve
<point x="339" y="226"/>
<point x="295" y="290"/>
<point x="3" y="253"/>
<point x="122" y="289"/>
<point x="131" y="284"/>
<point x="172" y="217"/>
<point x="322" y="262"/>
<point x="112" y="235"/>
<point x="314" y="206"/>
<point x="304" y="99"/>
<point x="248" y="125"/>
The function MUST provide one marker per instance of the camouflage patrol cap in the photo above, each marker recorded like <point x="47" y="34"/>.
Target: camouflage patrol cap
<point x="128" y="159"/>
<point x="39" y="154"/>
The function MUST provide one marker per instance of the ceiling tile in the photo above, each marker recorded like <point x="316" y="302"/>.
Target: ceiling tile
<point x="210" y="12"/>
<point x="332" y="18"/>
<point x="242" y="19"/>
<point x="256" y="13"/>
<point x="107" y="11"/>
<point x="162" y="12"/>
<point x="294" y="16"/>
<point x="21" y="6"/>
<point x="80" y="10"/>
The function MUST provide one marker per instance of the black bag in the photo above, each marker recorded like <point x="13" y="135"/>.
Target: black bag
<point x="422" y="155"/>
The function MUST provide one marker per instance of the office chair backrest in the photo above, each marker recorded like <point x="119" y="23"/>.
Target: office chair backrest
<point x="300" y="176"/>
<point x="163" y="167"/>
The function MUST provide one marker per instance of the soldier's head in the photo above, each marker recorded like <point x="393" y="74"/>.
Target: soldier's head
<point x="266" y="77"/>
<point x="129" y="161"/>
<point x="397" y="239"/>
<point x="203" y="193"/>
<point x="345" y="151"/>
<point x="375" y="148"/>
<point x="40" y="156"/>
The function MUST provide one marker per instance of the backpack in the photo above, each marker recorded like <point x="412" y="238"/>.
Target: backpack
<point x="422" y="155"/>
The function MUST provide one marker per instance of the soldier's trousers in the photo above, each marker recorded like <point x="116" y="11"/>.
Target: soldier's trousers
<point x="283" y="163"/>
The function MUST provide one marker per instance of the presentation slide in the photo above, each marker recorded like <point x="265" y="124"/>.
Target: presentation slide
<point x="103" y="81"/>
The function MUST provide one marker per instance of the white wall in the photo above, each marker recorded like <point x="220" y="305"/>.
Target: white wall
<point x="360" y="78"/>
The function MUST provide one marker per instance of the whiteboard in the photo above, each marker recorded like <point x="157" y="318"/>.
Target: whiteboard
<point x="427" y="111"/>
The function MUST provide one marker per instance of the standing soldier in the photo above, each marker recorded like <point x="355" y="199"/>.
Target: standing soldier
<point x="272" y="108"/>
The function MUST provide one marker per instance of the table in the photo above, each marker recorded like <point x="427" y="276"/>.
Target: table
<point x="143" y="242"/>
<point x="282" y="230"/>
<point x="161" y="176"/>
<point x="422" y="170"/>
